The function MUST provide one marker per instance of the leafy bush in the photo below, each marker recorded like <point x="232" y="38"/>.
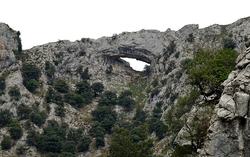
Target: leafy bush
<point x="182" y="151"/>
<point x="2" y="85"/>
<point x="31" y="75"/>
<point x="85" y="74"/>
<point x="190" y="37"/>
<point x="229" y="43"/>
<point x="154" y="122"/>
<point x="84" y="89"/>
<point x="61" y="86"/>
<point x="210" y="68"/>
<point x="74" y="134"/>
<point x="5" y="117"/>
<point x="50" y="70"/>
<point x="121" y="142"/>
<point x="109" y="70"/>
<point x="102" y="112"/>
<point x="84" y="144"/>
<point x="74" y="99"/>
<point x="38" y="118"/>
<point x="171" y="47"/>
<point x="146" y="70"/>
<point x="108" y="99"/>
<point x="69" y="146"/>
<point x="15" y="130"/>
<point x="53" y="96"/>
<point x="155" y="83"/>
<point x="60" y="111"/>
<point x="97" y="130"/>
<point x="14" y="92"/>
<point x="97" y="88"/>
<point x="6" y="143"/>
<point x="125" y="100"/>
<point x="99" y="141"/>
<point x="31" y="84"/>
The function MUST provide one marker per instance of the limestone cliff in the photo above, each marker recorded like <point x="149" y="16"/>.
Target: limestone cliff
<point x="167" y="52"/>
<point x="9" y="44"/>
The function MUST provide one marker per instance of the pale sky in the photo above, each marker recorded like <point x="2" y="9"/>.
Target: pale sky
<point x="43" y="21"/>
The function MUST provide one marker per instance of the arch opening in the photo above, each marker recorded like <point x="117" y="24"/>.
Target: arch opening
<point x="135" y="64"/>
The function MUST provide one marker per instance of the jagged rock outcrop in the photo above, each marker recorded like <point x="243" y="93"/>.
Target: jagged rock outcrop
<point x="8" y="45"/>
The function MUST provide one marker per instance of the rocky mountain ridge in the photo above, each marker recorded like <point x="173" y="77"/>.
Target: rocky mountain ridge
<point x="167" y="52"/>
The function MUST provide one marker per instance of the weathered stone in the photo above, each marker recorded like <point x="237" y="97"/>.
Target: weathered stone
<point x="242" y="103"/>
<point x="227" y="102"/>
<point x="8" y="44"/>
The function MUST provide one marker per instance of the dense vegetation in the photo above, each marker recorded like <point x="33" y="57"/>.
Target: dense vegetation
<point x="210" y="68"/>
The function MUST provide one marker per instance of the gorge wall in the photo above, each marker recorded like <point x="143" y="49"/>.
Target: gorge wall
<point x="167" y="52"/>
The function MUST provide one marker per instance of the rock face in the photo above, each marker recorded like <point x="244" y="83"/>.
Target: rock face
<point x="8" y="45"/>
<point x="167" y="52"/>
<point x="229" y="130"/>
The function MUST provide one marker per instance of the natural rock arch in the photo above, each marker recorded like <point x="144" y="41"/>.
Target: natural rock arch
<point x="130" y="52"/>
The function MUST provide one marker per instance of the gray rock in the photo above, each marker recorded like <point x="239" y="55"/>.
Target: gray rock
<point x="242" y="103"/>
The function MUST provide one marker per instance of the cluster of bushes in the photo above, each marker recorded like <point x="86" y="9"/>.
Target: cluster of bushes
<point x="14" y="129"/>
<point x="50" y="72"/>
<point x="154" y="122"/>
<point x="83" y="94"/>
<point x="14" y="92"/>
<point x="58" y="139"/>
<point x="209" y="69"/>
<point x="31" y="75"/>
<point x="132" y="137"/>
<point x="104" y="117"/>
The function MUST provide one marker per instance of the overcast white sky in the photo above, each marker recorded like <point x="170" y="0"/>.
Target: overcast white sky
<point x="43" y="21"/>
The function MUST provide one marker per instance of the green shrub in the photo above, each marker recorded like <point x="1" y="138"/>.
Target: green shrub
<point x="99" y="141"/>
<point x="31" y="84"/>
<point x="69" y="146"/>
<point x="61" y="86"/>
<point x="171" y="47"/>
<point x="23" y="111"/>
<point x="190" y="37"/>
<point x="84" y="89"/>
<point x="67" y="154"/>
<point x="109" y="70"/>
<point x="38" y="118"/>
<point x="85" y="74"/>
<point x="6" y="143"/>
<point x="96" y="130"/>
<point x="210" y="68"/>
<point x="74" y="134"/>
<point x="97" y="88"/>
<point x="125" y="100"/>
<point x="15" y="130"/>
<point x="229" y="43"/>
<point x="83" y="144"/>
<point x="146" y="70"/>
<point x="2" y="85"/>
<point x="50" y="70"/>
<point x="182" y="151"/>
<point x="21" y="150"/>
<point x="14" y="92"/>
<point x="155" y="83"/>
<point x="31" y="75"/>
<point x="60" y="111"/>
<point x="74" y="99"/>
<point x="5" y="117"/>
<point x="30" y="71"/>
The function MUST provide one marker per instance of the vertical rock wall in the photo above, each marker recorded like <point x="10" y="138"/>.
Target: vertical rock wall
<point x="8" y="45"/>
